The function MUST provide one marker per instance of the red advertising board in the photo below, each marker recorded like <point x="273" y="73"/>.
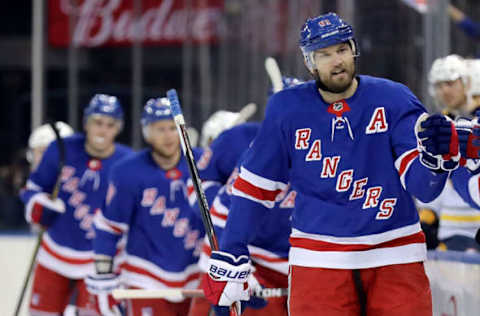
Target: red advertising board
<point x="113" y="22"/>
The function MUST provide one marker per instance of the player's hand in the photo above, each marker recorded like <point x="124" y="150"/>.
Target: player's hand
<point x="226" y="282"/>
<point x="438" y="142"/>
<point x="42" y="210"/>
<point x="255" y="302"/>
<point x="101" y="285"/>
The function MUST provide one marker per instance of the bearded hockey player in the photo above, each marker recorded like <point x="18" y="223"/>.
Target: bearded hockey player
<point x="347" y="145"/>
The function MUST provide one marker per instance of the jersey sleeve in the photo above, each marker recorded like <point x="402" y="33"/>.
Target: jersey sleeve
<point x="114" y="219"/>
<point x="417" y="179"/>
<point x="263" y="176"/>
<point x="467" y="185"/>
<point x="42" y="179"/>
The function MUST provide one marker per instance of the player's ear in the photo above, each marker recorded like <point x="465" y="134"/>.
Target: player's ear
<point x="145" y="132"/>
<point x="85" y="124"/>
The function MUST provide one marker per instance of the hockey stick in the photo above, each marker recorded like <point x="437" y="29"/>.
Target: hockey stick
<point x="187" y="151"/>
<point x="245" y="113"/>
<point x="54" y="195"/>
<point x="184" y="293"/>
<point x="273" y="71"/>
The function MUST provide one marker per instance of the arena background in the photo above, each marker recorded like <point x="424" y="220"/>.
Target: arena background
<point x="211" y="51"/>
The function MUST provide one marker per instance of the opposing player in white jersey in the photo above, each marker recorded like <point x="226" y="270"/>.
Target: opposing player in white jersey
<point x="40" y="138"/>
<point x="147" y="201"/>
<point x="457" y="221"/>
<point x="65" y="256"/>
<point x="473" y="66"/>
<point x="346" y="143"/>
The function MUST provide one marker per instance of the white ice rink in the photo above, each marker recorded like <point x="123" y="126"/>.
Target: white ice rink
<point x="15" y="254"/>
<point x="454" y="277"/>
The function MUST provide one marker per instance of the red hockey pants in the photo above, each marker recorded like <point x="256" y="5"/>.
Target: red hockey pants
<point x="394" y="290"/>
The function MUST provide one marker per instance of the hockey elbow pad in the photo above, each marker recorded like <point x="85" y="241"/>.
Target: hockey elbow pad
<point x="42" y="210"/>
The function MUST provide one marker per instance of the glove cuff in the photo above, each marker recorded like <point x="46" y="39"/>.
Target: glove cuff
<point x="102" y="283"/>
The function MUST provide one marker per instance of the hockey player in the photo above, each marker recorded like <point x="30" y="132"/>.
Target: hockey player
<point x="473" y="66"/>
<point x="218" y="170"/>
<point x="147" y="201"/>
<point x="268" y="249"/>
<point x="457" y="221"/>
<point x="40" y="138"/>
<point x="346" y="143"/>
<point x="215" y="168"/>
<point x="66" y="257"/>
<point x="449" y="84"/>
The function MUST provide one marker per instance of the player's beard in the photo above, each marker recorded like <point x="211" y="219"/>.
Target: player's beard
<point x="333" y="87"/>
<point x="165" y="154"/>
<point x="166" y="158"/>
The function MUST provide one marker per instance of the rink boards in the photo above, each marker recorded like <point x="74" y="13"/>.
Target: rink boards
<point x="454" y="277"/>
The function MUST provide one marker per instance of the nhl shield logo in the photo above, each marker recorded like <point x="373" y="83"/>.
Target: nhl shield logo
<point x="337" y="106"/>
<point x="94" y="164"/>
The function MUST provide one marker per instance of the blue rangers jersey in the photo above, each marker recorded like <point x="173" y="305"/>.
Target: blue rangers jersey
<point x="164" y="234"/>
<point x="219" y="160"/>
<point x="67" y="244"/>
<point x="354" y="165"/>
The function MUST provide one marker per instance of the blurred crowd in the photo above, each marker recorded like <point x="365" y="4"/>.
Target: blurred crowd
<point x="12" y="179"/>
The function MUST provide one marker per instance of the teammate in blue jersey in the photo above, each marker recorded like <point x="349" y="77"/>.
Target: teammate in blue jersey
<point x="347" y="145"/>
<point x="268" y="250"/>
<point x="147" y="201"/>
<point x="66" y="257"/>
<point x="215" y="167"/>
<point x="218" y="169"/>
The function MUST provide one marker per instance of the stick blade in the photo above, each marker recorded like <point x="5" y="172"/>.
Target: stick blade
<point x="273" y="71"/>
<point x="174" y="102"/>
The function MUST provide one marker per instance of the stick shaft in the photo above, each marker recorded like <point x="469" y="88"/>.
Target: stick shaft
<point x="187" y="150"/>
<point x="119" y="294"/>
<point x="184" y="293"/>
<point x="202" y="200"/>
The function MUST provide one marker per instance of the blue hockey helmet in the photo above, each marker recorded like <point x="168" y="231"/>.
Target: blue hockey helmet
<point x="323" y="31"/>
<point x="155" y="110"/>
<point x="290" y="82"/>
<point x="104" y="104"/>
<point x="287" y="82"/>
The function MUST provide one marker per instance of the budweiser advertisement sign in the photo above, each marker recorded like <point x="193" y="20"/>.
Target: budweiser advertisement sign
<point x="119" y="22"/>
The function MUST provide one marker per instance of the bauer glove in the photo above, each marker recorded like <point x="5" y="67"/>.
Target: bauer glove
<point x="226" y="282"/>
<point x="437" y="142"/>
<point x="102" y="283"/>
